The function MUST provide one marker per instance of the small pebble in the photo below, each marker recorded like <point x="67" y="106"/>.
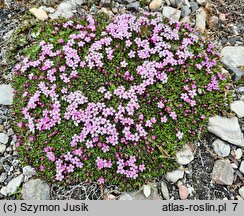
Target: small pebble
<point x="183" y="191"/>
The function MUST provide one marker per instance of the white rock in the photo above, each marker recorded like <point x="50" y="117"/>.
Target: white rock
<point x="47" y="9"/>
<point x="241" y="192"/>
<point x="2" y="148"/>
<point x="237" y="154"/>
<point x="29" y="171"/>
<point x="234" y="166"/>
<point x="125" y="196"/>
<point x="3" y="191"/>
<point x="185" y="20"/>
<point x="227" y="129"/>
<point x="241" y="168"/>
<point x="238" y="107"/>
<point x="39" y="13"/>
<point x="175" y="175"/>
<point x="146" y="190"/>
<point x="164" y="190"/>
<point x="155" y="4"/>
<point x="14" y="184"/>
<point x="106" y="11"/>
<point x="3" y="138"/>
<point x="171" y="13"/>
<point x="239" y="197"/>
<point x="185" y="156"/>
<point x="6" y="94"/>
<point x="201" y="2"/>
<point x="221" y="148"/>
<point x="201" y="20"/>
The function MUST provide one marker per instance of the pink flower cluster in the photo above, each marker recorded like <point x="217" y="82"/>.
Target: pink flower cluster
<point x="129" y="168"/>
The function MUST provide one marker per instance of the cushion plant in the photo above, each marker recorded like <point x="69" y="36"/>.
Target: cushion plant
<point x="112" y="101"/>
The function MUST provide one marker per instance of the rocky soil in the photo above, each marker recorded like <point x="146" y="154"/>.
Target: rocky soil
<point x="211" y="168"/>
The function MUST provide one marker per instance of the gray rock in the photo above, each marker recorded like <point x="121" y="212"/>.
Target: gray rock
<point x="221" y="148"/>
<point x="125" y="196"/>
<point x="47" y="2"/>
<point x="222" y="172"/>
<point x="175" y="175"/>
<point x="130" y="1"/>
<point x="176" y="3"/>
<point x="66" y="9"/>
<point x="2" y="148"/>
<point x="213" y="22"/>
<point x="120" y="1"/>
<point x="194" y="6"/>
<point x="171" y="13"/>
<point x="227" y="129"/>
<point x="6" y="94"/>
<point x="238" y="107"/>
<point x="35" y="189"/>
<point x="241" y="192"/>
<point x="155" y="4"/>
<point x="187" y="3"/>
<point x="14" y="184"/>
<point x="201" y="2"/>
<point x="185" y="156"/>
<point x="233" y="57"/>
<point x="236" y="53"/>
<point x="29" y="171"/>
<point x="3" y="138"/>
<point x="10" y="132"/>
<point x="201" y="20"/>
<point x="164" y="190"/>
<point x="241" y="168"/>
<point x="185" y="11"/>
<point x="133" y="6"/>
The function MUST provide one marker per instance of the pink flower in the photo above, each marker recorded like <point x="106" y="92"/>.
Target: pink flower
<point x="123" y="64"/>
<point x="164" y="119"/>
<point x="203" y="116"/>
<point x="179" y="135"/>
<point x="101" y="180"/>
<point x="142" y="167"/>
<point x="42" y="168"/>
<point x="160" y="105"/>
<point x="173" y="115"/>
<point x="20" y="124"/>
